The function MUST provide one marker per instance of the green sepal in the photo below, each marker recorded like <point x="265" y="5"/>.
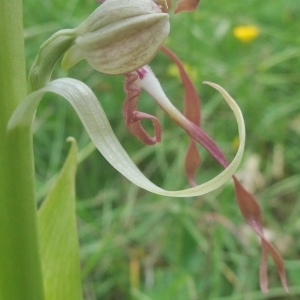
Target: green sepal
<point x="58" y="236"/>
<point x="49" y="53"/>
<point x="72" y="56"/>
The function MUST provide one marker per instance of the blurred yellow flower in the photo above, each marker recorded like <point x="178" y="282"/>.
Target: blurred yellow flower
<point x="246" y="33"/>
<point x="173" y="71"/>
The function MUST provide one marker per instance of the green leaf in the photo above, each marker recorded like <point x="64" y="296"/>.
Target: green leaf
<point x="58" y="236"/>
<point x="92" y="116"/>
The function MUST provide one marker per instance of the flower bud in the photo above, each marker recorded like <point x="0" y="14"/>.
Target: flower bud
<point x="120" y="36"/>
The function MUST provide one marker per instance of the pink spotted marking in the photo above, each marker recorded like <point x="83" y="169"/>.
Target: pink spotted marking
<point x="142" y="72"/>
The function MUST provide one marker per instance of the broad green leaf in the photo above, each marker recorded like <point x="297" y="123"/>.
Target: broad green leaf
<point x="58" y="236"/>
<point x="96" y="124"/>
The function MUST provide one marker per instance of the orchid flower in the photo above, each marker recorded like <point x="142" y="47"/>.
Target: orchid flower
<point x="121" y="38"/>
<point x="144" y="79"/>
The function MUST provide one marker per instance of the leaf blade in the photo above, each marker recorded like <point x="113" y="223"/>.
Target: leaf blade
<point x="58" y="236"/>
<point x="89" y="110"/>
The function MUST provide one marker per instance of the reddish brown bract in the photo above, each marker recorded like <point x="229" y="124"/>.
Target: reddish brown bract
<point x="186" y="5"/>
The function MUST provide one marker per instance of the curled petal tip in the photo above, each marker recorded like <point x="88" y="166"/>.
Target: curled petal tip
<point x="214" y="85"/>
<point x="209" y="83"/>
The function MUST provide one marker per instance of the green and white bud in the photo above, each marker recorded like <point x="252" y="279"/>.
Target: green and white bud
<point x="119" y="36"/>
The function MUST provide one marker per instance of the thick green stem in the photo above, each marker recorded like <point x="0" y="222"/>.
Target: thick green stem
<point x="20" y="270"/>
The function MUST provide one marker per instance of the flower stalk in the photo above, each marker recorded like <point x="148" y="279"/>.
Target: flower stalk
<point x="20" y="276"/>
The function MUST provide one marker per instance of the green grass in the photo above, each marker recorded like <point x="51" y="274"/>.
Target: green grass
<point x="197" y="248"/>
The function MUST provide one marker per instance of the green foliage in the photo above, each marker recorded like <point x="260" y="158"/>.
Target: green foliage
<point x="135" y="245"/>
<point x="20" y="270"/>
<point x="58" y="236"/>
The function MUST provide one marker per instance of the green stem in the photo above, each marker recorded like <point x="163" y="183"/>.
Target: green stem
<point x="20" y="269"/>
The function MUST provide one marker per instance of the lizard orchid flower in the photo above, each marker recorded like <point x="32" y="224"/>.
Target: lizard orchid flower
<point x="121" y="38"/>
<point x="144" y="79"/>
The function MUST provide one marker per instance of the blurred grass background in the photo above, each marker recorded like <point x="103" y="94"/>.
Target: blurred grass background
<point x="135" y="245"/>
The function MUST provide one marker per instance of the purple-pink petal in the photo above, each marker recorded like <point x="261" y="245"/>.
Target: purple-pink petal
<point x="192" y="161"/>
<point x="133" y="117"/>
<point x="192" y="111"/>
<point x="252" y="213"/>
<point x="247" y="203"/>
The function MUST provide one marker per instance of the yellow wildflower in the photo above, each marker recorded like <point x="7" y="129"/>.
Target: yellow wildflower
<point x="246" y="33"/>
<point x="173" y="71"/>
